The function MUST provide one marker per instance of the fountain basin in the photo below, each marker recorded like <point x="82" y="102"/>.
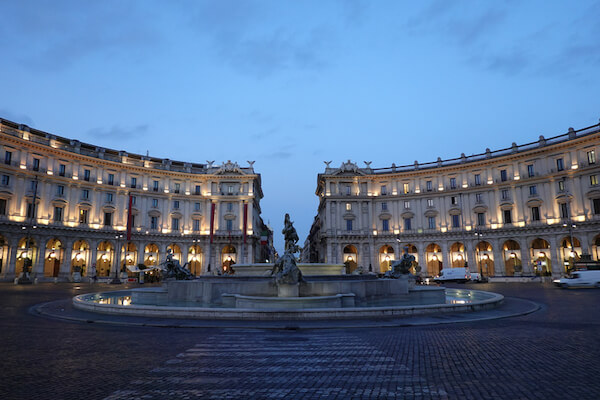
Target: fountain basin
<point x="457" y="300"/>
<point x="288" y="303"/>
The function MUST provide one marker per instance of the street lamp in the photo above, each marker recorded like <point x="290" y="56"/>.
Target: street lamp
<point x="117" y="280"/>
<point x="478" y="236"/>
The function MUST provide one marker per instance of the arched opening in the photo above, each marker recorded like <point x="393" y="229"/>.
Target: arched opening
<point x="386" y="257"/>
<point x="26" y="254"/>
<point x="596" y="247"/>
<point x="80" y="256"/>
<point x="485" y="258"/>
<point x="350" y="258"/>
<point x="53" y="258"/>
<point x="228" y="258"/>
<point x="570" y="252"/>
<point x="512" y="257"/>
<point x="540" y="254"/>
<point x="129" y="252"/>
<point x="3" y="252"/>
<point x="195" y="259"/>
<point x="151" y="255"/>
<point x="457" y="255"/>
<point x="105" y="253"/>
<point x="433" y="258"/>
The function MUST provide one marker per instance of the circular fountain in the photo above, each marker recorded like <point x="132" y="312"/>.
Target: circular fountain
<point x="287" y="291"/>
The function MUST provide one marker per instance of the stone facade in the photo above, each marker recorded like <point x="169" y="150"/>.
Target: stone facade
<point x="205" y="214"/>
<point x="508" y="212"/>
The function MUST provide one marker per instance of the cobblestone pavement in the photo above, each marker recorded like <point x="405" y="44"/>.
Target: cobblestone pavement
<point x="551" y="354"/>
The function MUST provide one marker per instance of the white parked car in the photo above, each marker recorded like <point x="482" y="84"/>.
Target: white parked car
<point x="476" y="277"/>
<point x="453" y="275"/>
<point x="580" y="278"/>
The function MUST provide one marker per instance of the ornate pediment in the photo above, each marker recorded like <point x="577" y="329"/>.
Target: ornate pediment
<point x="347" y="168"/>
<point x="230" y="168"/>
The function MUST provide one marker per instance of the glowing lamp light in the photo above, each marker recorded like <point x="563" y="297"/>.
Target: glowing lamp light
<point x="486" y="257"/>
<point x="228" y="258"/>
<point x="513" y="255"/>
<point x="104" y="257"/>
<point x="24" y="254"/>
<point x="459" y="257"/>
<point x="387" y="258"/>
<point x="52" y="255"/>
<point x="78" y="256"/>
<point x="434" y="257"/>
<point x="349" y="258"/>
<point x="542" y="254"/>
<point x="572" y="254"/>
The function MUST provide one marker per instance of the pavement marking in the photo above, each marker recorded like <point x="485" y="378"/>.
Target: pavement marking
<point x="332" y="365"/>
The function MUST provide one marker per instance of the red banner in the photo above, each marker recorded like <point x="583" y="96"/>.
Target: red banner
<point x="212" y="220"/>
<point x="129" y="218"/>
<point x="245" y="220"/>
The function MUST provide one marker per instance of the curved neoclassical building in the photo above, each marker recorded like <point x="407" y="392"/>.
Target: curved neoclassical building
<point x="527" y="209"/>
<point x="65" y="207"/>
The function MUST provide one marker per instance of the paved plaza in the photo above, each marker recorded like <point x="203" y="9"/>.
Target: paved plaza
<point x="553" y="353"/>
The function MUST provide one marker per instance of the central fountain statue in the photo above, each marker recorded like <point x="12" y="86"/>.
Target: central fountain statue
<point x="285" y="270"/>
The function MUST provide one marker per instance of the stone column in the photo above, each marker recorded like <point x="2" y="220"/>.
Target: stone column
<point x="557" y="267"/>
<point x="525" y="256"/>
<point x="38" y="265"/>
<point x="446" y="256"/>
<point x="65" y="264"/>
<point x="422" y="260"/>
<point x="499" y="262"/>
<point x="12" y="258"/>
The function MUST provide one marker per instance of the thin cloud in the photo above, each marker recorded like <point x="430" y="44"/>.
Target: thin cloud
<point x="118" y="132"/>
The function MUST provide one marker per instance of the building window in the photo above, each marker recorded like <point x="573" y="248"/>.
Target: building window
<point x="348" y="224"/>
<point x="30" y="210"/>
<point x="176" y="204"/>
<point x="348" y="206"/>
<point x="175" y="224"/>
<point x="155" y="186"/>
<point x="229" y="207"/>
<point x="2" y="207"/>
<point x="196" y="206"/>
<point x="154" y="203"/>
<point x="478" y="198"/>
<point x="535" y="213"/>
<point x="530" y="171"/>
<point x="429" y="202"/>
<point x="230" y="189"/>
<point x="58" y="214"/>
<point x="561" y="186"/>
<point x="505" y="194"/>
<point x="453" y="200"/>
<point x="431" y="222"/>
<point x="564" y="210"/>
<point x="177" y="187"/>
<point x="560" y="164"/>
<point x="349" y="190"/>
<point x="532" y="190"/>
<point x="196" y="225"/>
<point x="407" y="224"/>
<point x="477" y="179"/>
<point x="60" y="190"/>
<point x="83" y="216"/>
<point x="133" y="183"/>
<point x="406" y="188"/>
<point x="133" y="200"/>
<point x="111" y="179"/>
<point x="429" y="186"/>
<point x="593" y="180"/>
<point x="153" y="223"/>
<point x="591" y="157"/>
<point x="85" y="194"/>
<point x="507" y="217"/>
<point x="5" y="180"/>
<point x="383" y="190"/>
<point x="107" y="219"/>
<point x="132" y="220"/>
<point x="197" y="191"/>
<point x="596" y="206"/>
<point x="384" y="206"/>
<point x="62" y="169"/>
<point x="86" y="175"/>
<point x="385" y="225"/>
<point x="456" y="221"/>
<point x="229" y="225"/>
<point x="503" y="175"/>
<point x="36" y="164"/>
<point x="109" y="197"/>
<point x="8" y="157"/>
<point x="452" y="183"/>
<point x="407" y="204"/>
<point x="481" y="219"/>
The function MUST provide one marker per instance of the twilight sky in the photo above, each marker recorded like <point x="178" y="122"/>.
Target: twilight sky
<point x="291" y="84"/>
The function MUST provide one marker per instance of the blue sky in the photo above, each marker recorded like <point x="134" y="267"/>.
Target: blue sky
<point x="291" y="84"/>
